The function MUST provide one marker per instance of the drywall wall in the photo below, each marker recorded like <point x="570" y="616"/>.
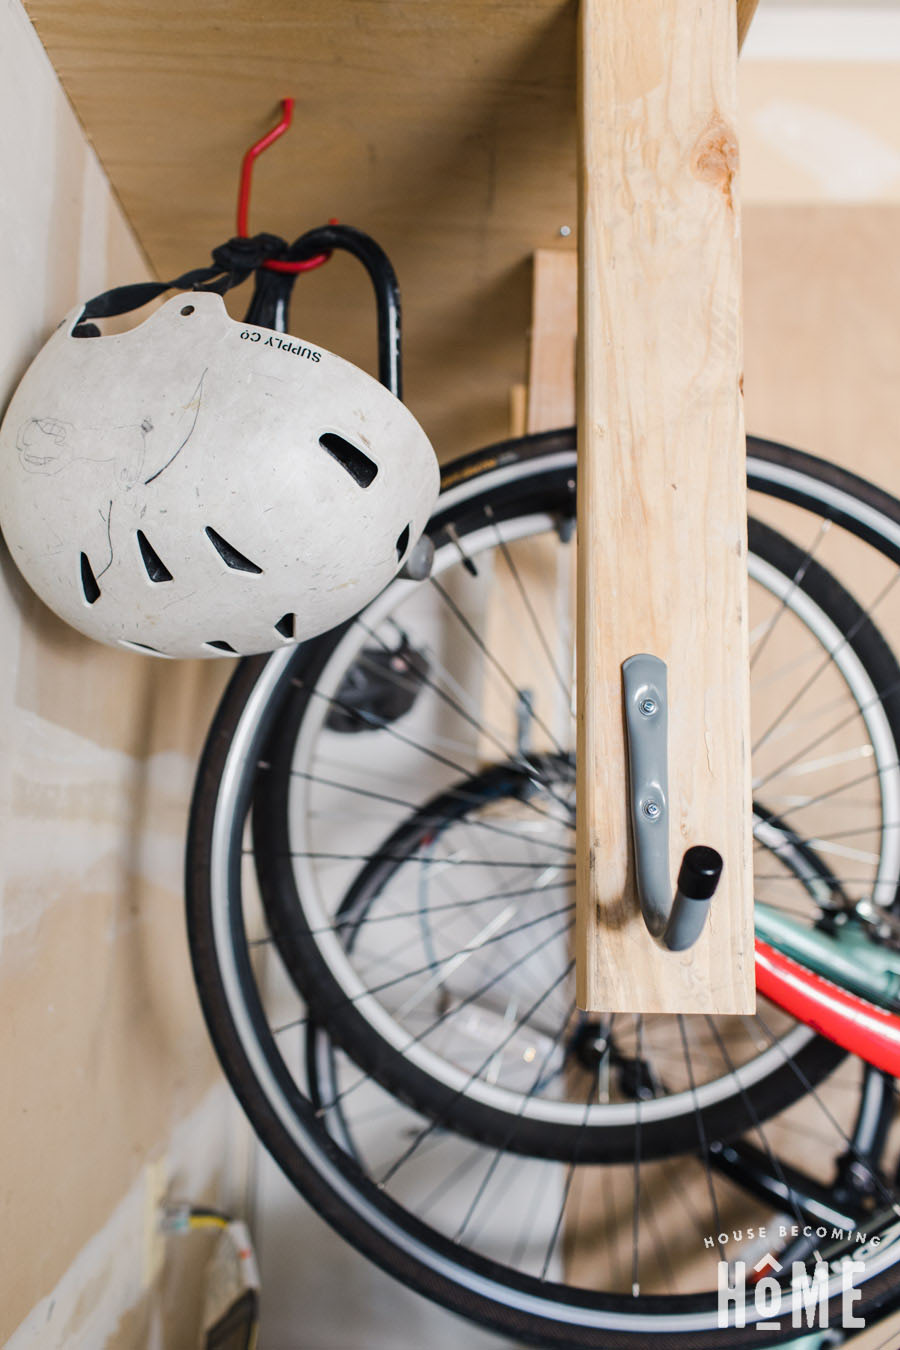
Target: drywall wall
<point x="106" y="1066"/>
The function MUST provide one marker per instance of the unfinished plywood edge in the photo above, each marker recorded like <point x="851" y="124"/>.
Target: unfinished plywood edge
<point x="661" y="502"/>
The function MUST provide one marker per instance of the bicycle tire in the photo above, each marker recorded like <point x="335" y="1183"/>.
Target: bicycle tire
<point x="286" y="1120"/>
<point x="299" y="938"/>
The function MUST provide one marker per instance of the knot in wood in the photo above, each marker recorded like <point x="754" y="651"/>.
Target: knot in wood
<point x="714" y="159"/>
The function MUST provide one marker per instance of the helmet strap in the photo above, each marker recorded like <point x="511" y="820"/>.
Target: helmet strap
<point x="232" y="263"/>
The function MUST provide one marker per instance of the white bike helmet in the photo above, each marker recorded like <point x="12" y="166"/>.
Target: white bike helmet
<point x="198" y="486"/>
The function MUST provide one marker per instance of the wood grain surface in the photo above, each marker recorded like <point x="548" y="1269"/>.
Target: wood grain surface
<point x="662" y="532"/>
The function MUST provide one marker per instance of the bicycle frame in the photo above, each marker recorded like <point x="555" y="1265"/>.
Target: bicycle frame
<point x="815" y="992"/>
<point x="852" y="1022"/>
<point x="843" y="984"/>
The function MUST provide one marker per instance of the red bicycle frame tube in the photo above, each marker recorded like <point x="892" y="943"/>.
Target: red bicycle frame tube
<point x="850" y="1021"/>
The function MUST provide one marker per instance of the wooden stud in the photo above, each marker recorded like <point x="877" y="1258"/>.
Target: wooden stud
<point x="518" y="409"/>
<point x="554" y="323"/>
<point x="661" y="502"/>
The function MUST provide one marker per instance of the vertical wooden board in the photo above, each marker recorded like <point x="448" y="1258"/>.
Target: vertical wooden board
<point x="554" y="322"/>
<point x="518" y="409"/>
<point x="661" y="508"/>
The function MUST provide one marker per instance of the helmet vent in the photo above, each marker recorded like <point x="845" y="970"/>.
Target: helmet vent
<point x="285" y="626"/>
<point x="140" y="647"/>
<point x="156" y="568"/>
<point x="89" y="581"/>
<point x="402" y="542"/>
<point x="222" y="647"/>
<point x="360" y="468"/>
<point x="230" y="555"/>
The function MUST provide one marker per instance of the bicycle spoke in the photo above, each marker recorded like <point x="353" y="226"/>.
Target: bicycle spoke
<point x="408" y="1153"/>
<point x="469" y="999"/>
<point x="757" y="1125"/>
<point x="479" y="725"/>
<point x="532" y="613"/>
<point x="352" y="923"/>
<point x="814" y="1093"/>
<point x="421" y="970"/>
<point x="499" y="1152"/>
<point x="796" y="580"/>
<point x="636" y="1178"/>
<point x="489" y="656"/>
<point x="830" y="731"/>
<point x="523" y="1237"/>
<point x="381" y="724"/>
<point x="567" y="1186"/>
<point x="701" y="1128"/>
<point x="843" y="787"/>
<point x="846" y="639"/>
<point x="323" y="855"/>
<point x="456" y="794"/>
<point x="448" y="1184"/>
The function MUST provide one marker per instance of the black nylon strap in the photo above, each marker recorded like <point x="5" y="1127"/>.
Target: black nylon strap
<point x="243" y="256"/>
<point x="232" y="263"/>
<point x="235" y="260"/>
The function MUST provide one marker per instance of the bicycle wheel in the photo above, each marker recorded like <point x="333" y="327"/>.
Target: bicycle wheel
<point x="402" y="970"/>
<point x="294" y="715"/>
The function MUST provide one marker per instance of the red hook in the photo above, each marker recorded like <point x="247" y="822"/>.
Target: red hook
<point x="243" y="210"/>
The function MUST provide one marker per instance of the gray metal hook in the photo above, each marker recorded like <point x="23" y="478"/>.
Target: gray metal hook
<point x="677" y="922"/>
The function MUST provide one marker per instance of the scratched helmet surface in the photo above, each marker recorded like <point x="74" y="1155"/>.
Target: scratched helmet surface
<point x="198" y="486"/>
